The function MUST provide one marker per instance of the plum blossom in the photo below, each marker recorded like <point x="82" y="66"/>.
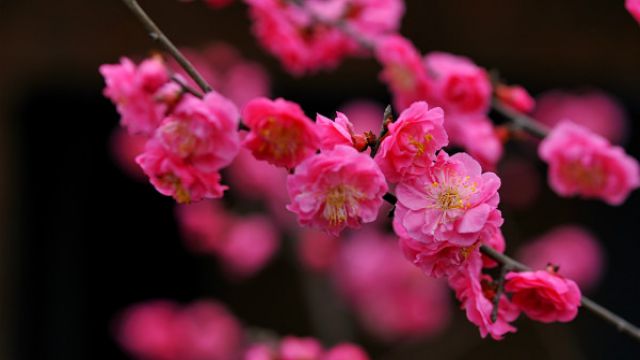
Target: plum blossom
<point x="365" y="115"/>
<point x="559" y="247"/>
<point x="338" y="132"/>
<point x="296" y="348"/>
<point x="452" y="202"/>
<point x="133" y="89"/>
<point x="163" y="330"/>
<point x="515" y="97"/>
<point x="475" y="293"/>
<point x="336" y="189"/>
<point x="280" y="132"/>
<point x="585" y="164"/>
<point x="189" y="148"/>
<point x="543" y="295"/>
<point x="403" y="70"/>
<point x="460" y="87"/>
<point x="633" y="7"/>
<point x="317" y="250"/>
<point x="478" y="137"/>
<point x="345" y="351"/>
<point x="392" y="299"/>
<point x="411" y="143"/>
<point x="124" y="150"/>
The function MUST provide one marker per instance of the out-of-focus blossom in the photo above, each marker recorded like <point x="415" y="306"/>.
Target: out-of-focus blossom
<point x="133" y="89"/>
<point x="125" y="148"/>
<point x="296" y="348"/>
<point x="478" y="137"/>
<point x="460" y="87"/>
<point x="452" y="202"/>
<point x="258" y="180"/>
<point x="544" y="296"/>
<point x="244" y="245"/>
<point x="162" y="330"/>
<point x="336" y="189"/>
<point x="251" y="242"/>
<point x="593" y="109"/>
<point x="474" y="292"/>
<point x="280" y="132"/>
<point x="515" y="97"/>
<point x="318" y="250"/>
<point x="410" y="146"/>
<point x="633" y="7"/>
<point x="293" y="348"/>
<point x="332" y="133"/>
<point x="402" y="70"/>
<point x="585" y="164"/>
<point x="559" y="247"/>
<point x="392" y="298"/>
<point x="198" y="139"/>
<point x="346" y="352"/>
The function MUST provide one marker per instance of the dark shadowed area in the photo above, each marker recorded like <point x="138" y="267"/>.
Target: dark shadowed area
<point x="80" y="240"/>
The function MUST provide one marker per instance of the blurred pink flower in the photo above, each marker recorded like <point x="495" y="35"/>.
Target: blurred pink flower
<point x="251" y="242"/>
<point x="365" y="115"/>
<point x="317" y="250"/>
<point x="633" y="7"/>
<point x="204" y="225"/>
<point x="280" y="133"/>
<point x="393" y="299"/>
<point x="345" y="351"/>
<point x="585" y="164"/>
<point x="293" y="348"/>
<point x="559" y="247"/>
<point x="402" y="70"/>
<point x="544" y="296"/>
<point x="133" y="88"/>
<point x="336" y="189"/>
<point x="593" y="109"/>
<point x="332" y="133"/>
<point x="410" y="146"/>
<point x="162" y="330"/>
<point x="515" y="97"/>
<point x="258" y="180"/>
<point x="478" y="137"/>
<point x="307" y="348"/>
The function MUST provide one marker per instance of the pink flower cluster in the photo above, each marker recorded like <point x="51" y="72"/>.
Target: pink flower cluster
<point x="294" y="348"/>
<point x="585" y="164"/>
<point x="163" y="330"/>
<point x="189" y="139"/>
<point x="303" y="36"/>
<point x="633" y="7"/>
<point x="244" y="245"/>
<point x="451" y="82"/>
<point x="392" y="299"/>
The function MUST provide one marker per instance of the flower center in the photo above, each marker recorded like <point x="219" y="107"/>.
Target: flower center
<point x="451" y="193"/>
<point x="340" y="202"/>
<point x="178" y="137"/>
<point x="420" y="145"/>
<point x="589" y="178"/>
<point x="280" y="140"/>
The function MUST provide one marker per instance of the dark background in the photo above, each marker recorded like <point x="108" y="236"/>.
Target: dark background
<point x="81" y="240"/>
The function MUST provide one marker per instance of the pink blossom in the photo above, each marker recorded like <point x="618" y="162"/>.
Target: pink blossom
<point x="206" y="330"/>
<point x="403" y="70"/>
<point x="251" y="242"/>
<point x="280" y="133"/>
<point x="289" y="32"/>
<point x="460" y="87"/>
<point x="345" y="351"/>
<point x="336" y="189"/>
<point x="258" y="180"/>
<point x="633" y="7"/>
<point x="198" y="139"/>
<point x="593" y="109"/>
<point x="544" y="296"/>
<point x="162" y="330"/>
<point x="478" y="137"/>
<point x="411" y="143"/>
<point x="391" y="298"/>
<point x="204" y="225"/>
<point x="452" y="202"/>
<point x="515" y="97"/>
<point x="559" y="247"/>
<point x="317" y="250"/>
<point x="332" y="133"/>
<point x="133" y="89"/>
<point x="293" y="348"/>
<point x="478" y="300"/>
<point x="260" y="352"/>
<point x="147" y="330"/>
<point x="585" y="164"/>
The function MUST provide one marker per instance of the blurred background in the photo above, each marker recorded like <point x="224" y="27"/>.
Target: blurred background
<point x="81" y="240"/>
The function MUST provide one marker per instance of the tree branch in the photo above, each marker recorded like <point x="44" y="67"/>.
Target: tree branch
<point x="156" y="34"/>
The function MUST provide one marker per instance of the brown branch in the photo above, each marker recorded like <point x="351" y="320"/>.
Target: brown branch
<point x="520" y="120"/>
<point x="186" y="88"/>
<point x="156" y="34"/>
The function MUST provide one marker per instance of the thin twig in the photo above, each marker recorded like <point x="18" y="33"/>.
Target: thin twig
<point x="621" y="324"/>
<point x="520" y="120"/>
<point x="499" y="291"/>
<point x="186" y="88"/>
<point x="156" y="34"/>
